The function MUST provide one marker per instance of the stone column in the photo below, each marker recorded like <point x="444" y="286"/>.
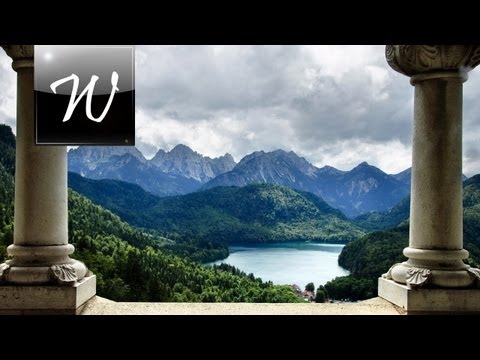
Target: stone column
<point x="435" y="251"/>
<point x="40" y="273"/>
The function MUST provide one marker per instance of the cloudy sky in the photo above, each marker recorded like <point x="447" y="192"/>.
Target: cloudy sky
<point x="334" y="105"/>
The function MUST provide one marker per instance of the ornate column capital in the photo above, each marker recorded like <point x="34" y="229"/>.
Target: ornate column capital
<point x="429" y="61"/>
<point x="22" y="55"/>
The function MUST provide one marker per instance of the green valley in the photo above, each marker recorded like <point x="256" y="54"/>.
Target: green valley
<point x="222" y="215"/>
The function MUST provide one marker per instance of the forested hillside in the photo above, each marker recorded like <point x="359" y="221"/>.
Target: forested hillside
<point x="131" y="266"/>
<point x="220" y="216"/>
<point x="372" y="255"/>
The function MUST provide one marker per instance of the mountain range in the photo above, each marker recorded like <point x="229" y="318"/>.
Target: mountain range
<point x="361" y="190"/>
<point x="179" y="171"/>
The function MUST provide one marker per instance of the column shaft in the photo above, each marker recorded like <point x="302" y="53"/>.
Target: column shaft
<point x="436" y="197"/>
<point x="41" y="207"/>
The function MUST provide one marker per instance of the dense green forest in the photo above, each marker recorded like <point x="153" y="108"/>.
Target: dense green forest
<point x="131" y="264"/>
<point x="372" y="255"/>
<point x="222" y="215"/>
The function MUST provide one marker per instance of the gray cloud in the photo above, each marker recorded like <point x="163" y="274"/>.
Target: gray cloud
<point x="335" y="105"/>
<point x="289" y="97"/>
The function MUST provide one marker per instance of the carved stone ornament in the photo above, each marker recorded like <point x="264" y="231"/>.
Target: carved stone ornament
<point x="416" y="59"/>
<point x="17" y="52"/>
<point x="64" y="274"/>
<point x="417" y="277"/>
<point x="3" y="271"/>
<point x="388" y="274"/>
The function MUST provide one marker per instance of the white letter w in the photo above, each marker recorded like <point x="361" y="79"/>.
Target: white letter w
<point x="89" y="88"/>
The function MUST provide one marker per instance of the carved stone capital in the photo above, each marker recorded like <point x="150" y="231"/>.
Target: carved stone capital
<point x="22" y="55"/>
<point x="413" y="60"/>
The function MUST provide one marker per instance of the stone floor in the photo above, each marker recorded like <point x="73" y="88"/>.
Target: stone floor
<point x="375" y="306"/>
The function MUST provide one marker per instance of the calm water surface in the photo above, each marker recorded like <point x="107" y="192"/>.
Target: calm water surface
<point x="288" y="263"/>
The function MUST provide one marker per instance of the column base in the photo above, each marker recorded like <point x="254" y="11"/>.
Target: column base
<point x="434" y="268"/>
<point x="46" y="299"/>
<point x="425" y="300"/>
<point x="67" y="273"/>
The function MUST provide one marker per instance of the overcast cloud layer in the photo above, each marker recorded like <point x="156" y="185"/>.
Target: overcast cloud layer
<point x="334" y="105"/>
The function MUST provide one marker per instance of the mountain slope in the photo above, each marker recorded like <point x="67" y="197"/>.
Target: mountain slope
<point x="255" y="213"/>
<point x="387" y="219"/>
<point x="120" y="197"/>
<point x="404" y="176"/>
<point x="363" y="189"/>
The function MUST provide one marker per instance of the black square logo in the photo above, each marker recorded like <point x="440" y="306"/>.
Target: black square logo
<point x="84" y="94"/>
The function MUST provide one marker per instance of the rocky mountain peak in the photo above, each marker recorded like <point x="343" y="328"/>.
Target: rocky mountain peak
<point x="184" y="150"/>
<point x="184" y="161"/>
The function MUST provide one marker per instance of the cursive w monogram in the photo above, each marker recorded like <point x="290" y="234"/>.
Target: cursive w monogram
<point x="89" y="89"/>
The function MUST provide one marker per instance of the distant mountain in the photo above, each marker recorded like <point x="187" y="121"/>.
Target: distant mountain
<point x="276" y="167"/>
<point x="179" y="171"/>
<point x="254" y="213"/>
<point x="129" y="167"/>
<point x="85" y="159"/>
<point x="363" y="189"/>
<point x="182" y="160"/>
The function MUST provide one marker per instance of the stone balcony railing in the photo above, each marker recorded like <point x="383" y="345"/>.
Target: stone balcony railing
<point x="375" y="306"/>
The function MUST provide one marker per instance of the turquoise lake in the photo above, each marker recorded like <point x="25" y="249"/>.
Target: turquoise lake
<point x="288" y="263"/>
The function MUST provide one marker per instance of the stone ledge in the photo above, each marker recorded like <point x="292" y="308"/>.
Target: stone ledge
<point x="376" y="306"/>
<point x="46" y="299"/>
<point x="430" y="300"/>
